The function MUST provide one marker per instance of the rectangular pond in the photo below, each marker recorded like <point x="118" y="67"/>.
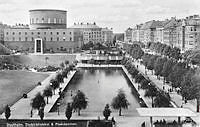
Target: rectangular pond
<point x="100" y="87"/>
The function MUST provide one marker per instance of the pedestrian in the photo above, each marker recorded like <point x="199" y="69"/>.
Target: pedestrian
<point x="113" y="121"/>
<point x="31" y="112"/>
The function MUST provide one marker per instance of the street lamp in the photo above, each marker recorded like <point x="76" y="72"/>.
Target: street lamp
<point x="58" y="104"/>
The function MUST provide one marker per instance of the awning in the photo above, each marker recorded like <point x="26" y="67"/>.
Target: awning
<point x="165" y="112"/>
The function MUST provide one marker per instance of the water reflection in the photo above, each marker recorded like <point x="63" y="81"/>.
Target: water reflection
<point x="99" y="86"/>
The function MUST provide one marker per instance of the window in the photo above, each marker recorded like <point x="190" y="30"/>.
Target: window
<point x="190" y="42"/>
<point x="6" y="33"/>
<point x="13" y="39"/>
<point x="13" y="33"/>
<point x="57" y="38"/>
<point x="63" y="38"/>
<point x="57" y="33"/>
<point x="70" y="38"/>
<point x="63" y="32"/>
<point x="45" y="33"/>
<point x="32" y="20"/>
<point x="45" y="38"/>
<point x="49" y="21"/>
<point x="51" y="33"/>
<point x="51" y="39"/>
<point x="32" y="39"/>
<point x="32" y="33"/>
<point x="19" y="38"/>
<point x="25" y="33"/>
<point x="54" y="20"/>
<point x="60" y="21"/>
<point x="26" y="38"/>
<point x="38" y="33"/>
<point x="37" y="20"/>
<point x="19" y="33"/>
<point x="70" y="33"/>
<point x="42" y="20"/>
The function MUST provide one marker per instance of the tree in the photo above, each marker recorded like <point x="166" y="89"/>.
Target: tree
<point x="65" y="72"/>
<point x="139" y="77"/>
<point x="167" y="51"/>
<point x="79" y="101"/>
<point x="150" y="64"/>
<point x="38" y="101"/>
<point x="145" y="59"/>
<point x="66" y="63"/>
<point x="133" y="71"/>
<point x="106" y="112"/>
<point x="47" y="93"/>
<point x="136" y="51"/>
<point x="176" y="76"/>
<point x="151" y="92"/>
<point x="167" y="68"/>
<point x="175" y="53"/>
<point x="120" y="101"/>
<point x="158" y="66"/>
<point x="144" y="83"/>
<point x="54" y="84"/>
<point x="192" y="88"/>
<point x="7" y="112"/>
<point x="46" y="59"/>
<point x="186" y="86"/>
<point x="68" y="112"/>
<point x="62" y="66"/>
<point x="41" y="113"/>
<point x="60" y="78"/>
<point x="162" y="99"/>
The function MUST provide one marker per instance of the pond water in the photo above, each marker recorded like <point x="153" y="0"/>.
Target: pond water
<point x="100" y="87"/>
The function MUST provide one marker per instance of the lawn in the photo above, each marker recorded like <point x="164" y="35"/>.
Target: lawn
<point x="42" y="60"/>
<point x="14" y="83"/>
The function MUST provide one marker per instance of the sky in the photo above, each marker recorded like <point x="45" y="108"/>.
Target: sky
<point x="116" y="14"/>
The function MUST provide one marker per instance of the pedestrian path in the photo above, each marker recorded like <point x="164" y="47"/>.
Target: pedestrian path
<point x="22" y="108"/>
<point x="176" y="98"/>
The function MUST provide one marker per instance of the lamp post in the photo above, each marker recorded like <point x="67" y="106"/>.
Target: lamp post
<point x="58" y="104"/>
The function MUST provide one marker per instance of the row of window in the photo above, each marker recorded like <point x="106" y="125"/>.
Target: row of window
<point x="49" y="20"/>
<point x="45" y="39"/>
<point x="38" y="33"/>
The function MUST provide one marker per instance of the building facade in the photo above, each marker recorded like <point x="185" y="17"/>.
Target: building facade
<point x="47" y="33"/>
<point x="107" y="35"/>
<point x="128" y="35"/>
<point x="93" y="33"/>
<point x="181" y="33"/>
<point x="48" y="19"/>
<point x="54" y="40"/>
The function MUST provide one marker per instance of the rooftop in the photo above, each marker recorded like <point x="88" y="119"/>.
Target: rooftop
<point x="47" y="10"/>
<point x="87" y="25"/>
<point x="151" y="24"/>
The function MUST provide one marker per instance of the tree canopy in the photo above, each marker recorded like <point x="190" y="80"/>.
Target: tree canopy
<point x="79" y="101"/>
<point x="38" y="101"/>
<point x="120" y="101"/>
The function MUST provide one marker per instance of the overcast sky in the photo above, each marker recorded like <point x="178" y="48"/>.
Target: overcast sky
<point x="118" y="14"/>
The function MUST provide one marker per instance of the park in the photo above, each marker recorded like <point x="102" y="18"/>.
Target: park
<point x="103" y="90"/>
